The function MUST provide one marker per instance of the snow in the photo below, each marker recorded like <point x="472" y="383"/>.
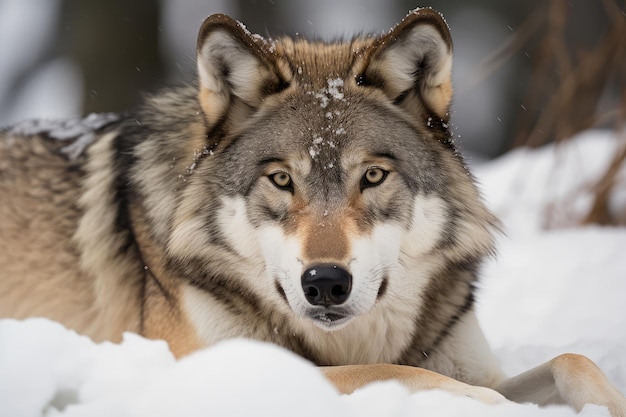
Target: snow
<point x="537" y="178"/>
<point x="333" y="91"/>
<point x="335" y="88"/>
<point x="548" y="292"/>
<point x="79" y="132"/>
<point x="64" y="129"/>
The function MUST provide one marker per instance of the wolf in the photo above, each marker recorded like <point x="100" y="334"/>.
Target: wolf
<point x="301" y="193"/>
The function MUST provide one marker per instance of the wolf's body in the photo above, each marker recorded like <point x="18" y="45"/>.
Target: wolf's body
<point x="304" y="194"/>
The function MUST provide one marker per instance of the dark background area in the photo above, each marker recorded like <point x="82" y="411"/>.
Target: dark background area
<point x="525" y="72"/>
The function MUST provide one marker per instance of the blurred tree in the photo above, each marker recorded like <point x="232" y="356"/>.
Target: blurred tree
<point x="577" y="79"/>
<point x="115" y="44"/>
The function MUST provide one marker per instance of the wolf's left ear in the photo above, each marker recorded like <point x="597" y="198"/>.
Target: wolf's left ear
<point x="412" y="63"/>
<point x="236" y="69"/>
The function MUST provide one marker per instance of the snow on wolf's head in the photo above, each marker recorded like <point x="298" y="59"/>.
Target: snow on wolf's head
<point x="334" y="180"/>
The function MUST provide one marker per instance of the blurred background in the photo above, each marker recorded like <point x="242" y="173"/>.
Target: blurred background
<point x="525" y="72"/>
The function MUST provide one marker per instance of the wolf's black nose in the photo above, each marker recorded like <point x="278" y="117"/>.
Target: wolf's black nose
<point x="327" y="285"/>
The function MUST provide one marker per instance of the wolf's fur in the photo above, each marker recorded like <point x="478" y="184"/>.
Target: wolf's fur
<point x="205" y="215"/>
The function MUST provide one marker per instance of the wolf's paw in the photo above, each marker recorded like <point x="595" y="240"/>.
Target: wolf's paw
<point x="485" y="395"/>
<point x="617" y="407"/>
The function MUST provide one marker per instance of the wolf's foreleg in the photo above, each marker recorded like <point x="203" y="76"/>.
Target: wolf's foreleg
<point x="351" y="377"/>
<point x="567" y="379"/>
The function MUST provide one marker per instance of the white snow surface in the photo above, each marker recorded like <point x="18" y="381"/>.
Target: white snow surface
<point x="548" y="292"/>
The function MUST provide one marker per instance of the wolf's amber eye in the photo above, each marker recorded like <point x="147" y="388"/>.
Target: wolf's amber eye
<point x="281" y="180"/>
<point x="373" y="177"/>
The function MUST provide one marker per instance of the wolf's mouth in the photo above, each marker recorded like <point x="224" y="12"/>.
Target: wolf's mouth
<point x="329" y="320"/>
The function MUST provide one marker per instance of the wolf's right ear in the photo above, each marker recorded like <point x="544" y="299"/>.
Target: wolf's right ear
<point x="233" y="65"/>
<point x="412" y="63"/>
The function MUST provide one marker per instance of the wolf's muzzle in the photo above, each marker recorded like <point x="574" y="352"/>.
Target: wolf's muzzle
<point x="326" y="285"/>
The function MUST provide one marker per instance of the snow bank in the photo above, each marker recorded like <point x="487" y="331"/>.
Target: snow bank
<point x="548" y="292"/>
<point x="47" y="370"/>
<point x="559" y="290"/>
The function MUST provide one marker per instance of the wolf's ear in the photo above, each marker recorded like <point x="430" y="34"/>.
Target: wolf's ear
<point x="412" y="63"/>
<point x="233" y="65"/>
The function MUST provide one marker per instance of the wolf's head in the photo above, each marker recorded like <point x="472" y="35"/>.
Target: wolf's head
<point x="330" y="168"/>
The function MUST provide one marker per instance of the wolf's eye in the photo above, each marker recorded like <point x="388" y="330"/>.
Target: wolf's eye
<point x="373" y="177"/>
<point x="282" y="180"/>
